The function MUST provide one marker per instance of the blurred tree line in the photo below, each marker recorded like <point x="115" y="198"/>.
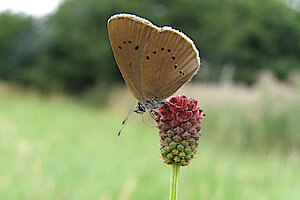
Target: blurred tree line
<point x="69" y="50"/>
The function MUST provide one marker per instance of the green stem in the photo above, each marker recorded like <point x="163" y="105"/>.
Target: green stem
<point x="174" y="181"/>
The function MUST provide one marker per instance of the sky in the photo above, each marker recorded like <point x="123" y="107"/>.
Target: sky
<point x="39" y="8"/>
<point x="36" y="8"/>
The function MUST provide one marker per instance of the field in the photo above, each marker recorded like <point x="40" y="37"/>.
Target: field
<point x="55" y="147"/>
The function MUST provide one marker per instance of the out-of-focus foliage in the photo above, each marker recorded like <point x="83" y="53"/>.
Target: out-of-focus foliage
<point x="70" y="49"/>
<point x="13" y="31"/>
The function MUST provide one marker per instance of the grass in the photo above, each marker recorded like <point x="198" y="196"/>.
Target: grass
<point x="57" y="148"/>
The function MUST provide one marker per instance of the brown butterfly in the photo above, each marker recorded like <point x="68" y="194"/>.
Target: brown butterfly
<point x="154" y="62"/>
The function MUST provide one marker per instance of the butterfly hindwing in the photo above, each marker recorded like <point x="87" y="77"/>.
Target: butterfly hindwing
<point x="169" y="60"/>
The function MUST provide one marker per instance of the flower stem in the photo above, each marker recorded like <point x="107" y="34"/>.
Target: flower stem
<point x="174" y="181"/>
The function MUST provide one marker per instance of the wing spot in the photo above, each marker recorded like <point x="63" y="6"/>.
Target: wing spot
<point x="181" y="72"/>
<point x="129" y="41"/>
<point x="169" y="50"/>
<point x="137" y="47"/>
<point x="173" y="57"/>
<point x="154" y="52"/>
<point x="162" y="49"/>
<point x="120" y="47"/>
<point x="175" y="66"/>
<point x="181" y="82"/>
<point x="124" y="42"/>
<point x="148" y="58"/>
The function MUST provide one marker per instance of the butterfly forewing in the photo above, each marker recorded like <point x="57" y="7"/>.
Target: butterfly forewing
<point x="169" y="60"/>
<point x="128" y="35"/>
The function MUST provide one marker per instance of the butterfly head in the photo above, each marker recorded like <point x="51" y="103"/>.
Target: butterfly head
<point x="140" y="108"/>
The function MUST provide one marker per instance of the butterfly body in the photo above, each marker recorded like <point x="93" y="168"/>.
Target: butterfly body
<point x="151" y="104"/>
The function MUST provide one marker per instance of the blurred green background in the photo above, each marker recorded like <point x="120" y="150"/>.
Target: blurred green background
<point x="62" y="101"/>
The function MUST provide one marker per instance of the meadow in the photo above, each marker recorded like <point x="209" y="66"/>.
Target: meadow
<point x="56" y="147"/>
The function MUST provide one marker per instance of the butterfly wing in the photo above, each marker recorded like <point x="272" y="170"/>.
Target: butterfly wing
<point x="128" y="36"/>
<point x="169" y="60"/>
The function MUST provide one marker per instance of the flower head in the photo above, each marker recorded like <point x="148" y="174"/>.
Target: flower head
<point x="179" y="122"/>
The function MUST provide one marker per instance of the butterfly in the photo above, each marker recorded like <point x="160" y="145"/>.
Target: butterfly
<point x="154" y="61"/>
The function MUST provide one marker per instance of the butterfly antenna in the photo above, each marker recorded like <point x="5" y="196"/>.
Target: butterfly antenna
<point x="126" y="119"/>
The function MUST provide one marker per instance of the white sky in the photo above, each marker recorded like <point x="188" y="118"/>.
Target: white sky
<point x="31" y="7"/>
<point x="39" y="8"/>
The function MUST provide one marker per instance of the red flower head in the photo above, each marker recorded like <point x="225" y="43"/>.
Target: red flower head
<point x="179" y="122"/>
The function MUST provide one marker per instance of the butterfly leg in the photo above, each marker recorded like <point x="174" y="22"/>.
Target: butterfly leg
<point x="154" y="115"/>
<point x="172" y="104"/>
